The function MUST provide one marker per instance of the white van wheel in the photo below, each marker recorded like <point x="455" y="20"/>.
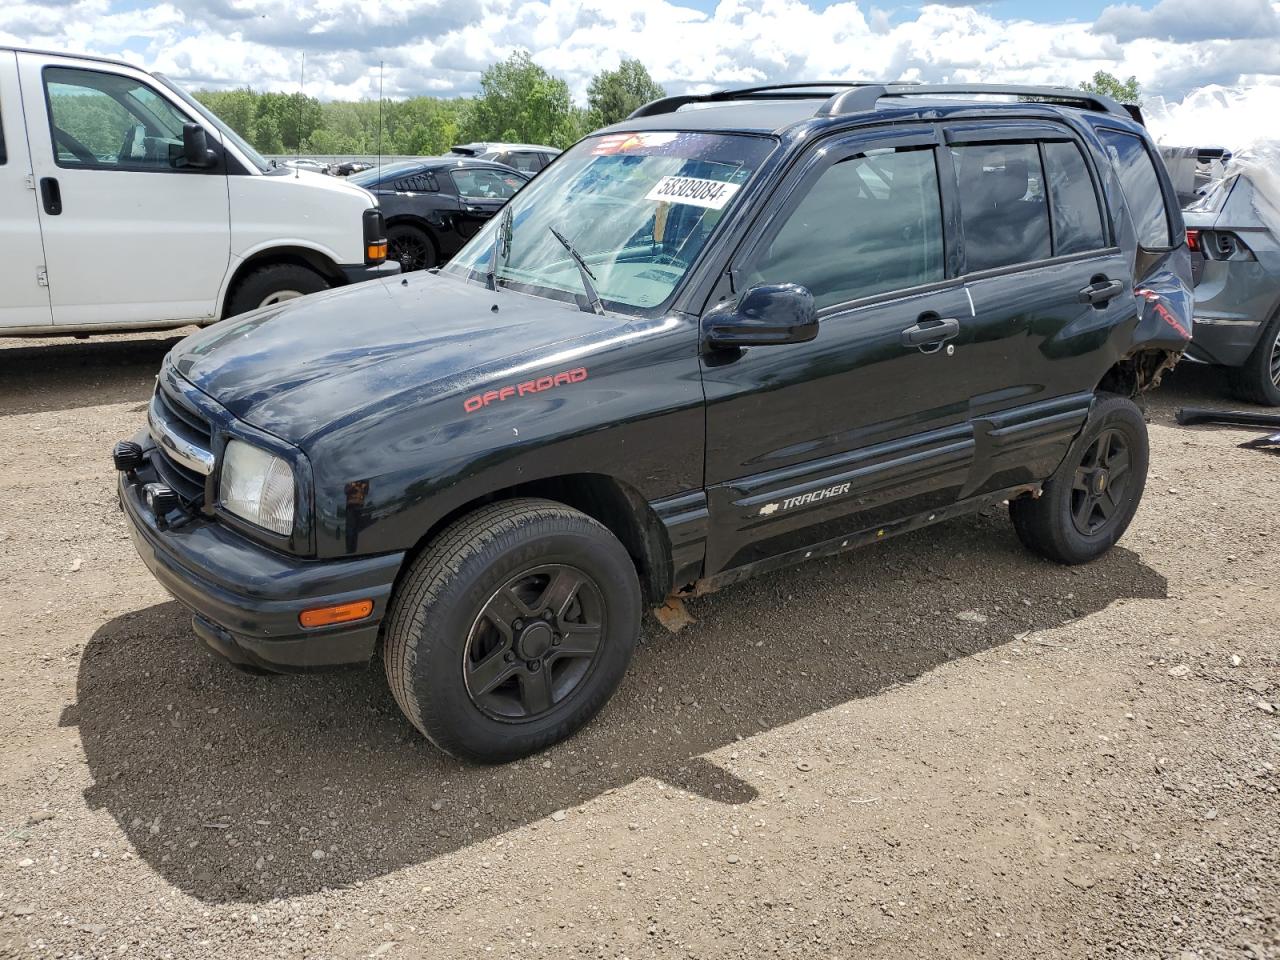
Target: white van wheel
<point x="279" y="297"/>
<point x="274" y="284"/>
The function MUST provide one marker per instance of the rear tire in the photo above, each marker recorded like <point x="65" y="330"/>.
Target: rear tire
<point x="512" y="629"/>
<point x="274" y="284"/>
<point x="1257" y="380"/>
<point x="1088" y="503"/>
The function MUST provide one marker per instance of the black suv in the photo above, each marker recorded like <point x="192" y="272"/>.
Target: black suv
<point x="702" y="344"/>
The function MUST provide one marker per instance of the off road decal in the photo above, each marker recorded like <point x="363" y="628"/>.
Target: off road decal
<point x="805" y="499"/>
<point x="499" y="394"/>
<point x="694" y="191"/>
<point x="1162" y="311"/>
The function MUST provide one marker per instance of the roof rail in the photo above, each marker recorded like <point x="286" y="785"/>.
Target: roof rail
<point x="771" y="91"/>
<point x="861" y="96"/>
<point x="865" y="98"/>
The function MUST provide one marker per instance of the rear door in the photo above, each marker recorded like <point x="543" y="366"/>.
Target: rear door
<point x="131" y="234"/>
<point x="859" y="427"/>
<point x="1048" y="283"/>
<point x="25" y="301"/>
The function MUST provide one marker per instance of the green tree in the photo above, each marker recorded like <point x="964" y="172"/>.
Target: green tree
<point x="1109" y="85"/>
<point x="519" y="101"/>
<point x="613" y="94"/>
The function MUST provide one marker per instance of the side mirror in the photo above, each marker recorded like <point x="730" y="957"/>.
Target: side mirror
<point x="768" y="314"/>
<point x="195" y="146"/>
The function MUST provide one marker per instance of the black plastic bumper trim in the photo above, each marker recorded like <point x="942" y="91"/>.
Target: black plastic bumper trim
<point x="247" y="597"/>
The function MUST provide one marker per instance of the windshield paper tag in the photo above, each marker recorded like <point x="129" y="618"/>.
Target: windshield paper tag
<point x="712" y="194"/>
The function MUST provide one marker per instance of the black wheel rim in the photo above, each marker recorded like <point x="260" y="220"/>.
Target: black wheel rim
<point x="534" y="643"/>
<point x="412" y="252"/>
<point x="1100" y="483"/>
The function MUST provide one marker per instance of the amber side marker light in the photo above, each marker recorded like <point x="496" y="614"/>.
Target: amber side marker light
<point x="338" y="613"/>
<point x="376" y="252"/>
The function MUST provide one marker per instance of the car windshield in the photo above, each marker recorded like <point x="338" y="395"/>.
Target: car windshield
<point x="252" y="155"/>
<point x="375" y="175"/>
<point x="638" y="209"/>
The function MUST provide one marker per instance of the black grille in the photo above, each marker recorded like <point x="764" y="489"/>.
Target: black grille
<point x="187" y="423"/>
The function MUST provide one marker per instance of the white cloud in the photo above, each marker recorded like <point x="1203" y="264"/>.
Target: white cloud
<point x="442" y="46"/>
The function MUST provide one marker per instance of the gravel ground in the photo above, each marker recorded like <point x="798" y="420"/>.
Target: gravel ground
<point x="940" y="746"/>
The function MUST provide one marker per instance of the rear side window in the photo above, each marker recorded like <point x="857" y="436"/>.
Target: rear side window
<point x="869" y="224"/>
<point x="528" y="162"/>
<point x="1141" y="187"/>
<point x="1077" y="219"/>
<point x="1003" y="210"/>
<point x="418" y="183"/>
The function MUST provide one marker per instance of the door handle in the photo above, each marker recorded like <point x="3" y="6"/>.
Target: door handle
<point x="51" y="196"/>
<point x="1100" y="291"/>
<point x="931" y="330"/>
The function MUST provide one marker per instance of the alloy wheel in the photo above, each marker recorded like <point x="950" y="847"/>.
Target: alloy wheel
<point x="534" y="642"/>
<point x="1100" y="482"/>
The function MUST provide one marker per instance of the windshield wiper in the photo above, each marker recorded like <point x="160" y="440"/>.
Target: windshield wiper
<point x="500" y="236"/>
<point x="584" y="271"/>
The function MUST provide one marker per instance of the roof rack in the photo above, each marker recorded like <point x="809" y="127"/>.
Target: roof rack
<point x="772" y="91"/>
<point x="861" y="96"/>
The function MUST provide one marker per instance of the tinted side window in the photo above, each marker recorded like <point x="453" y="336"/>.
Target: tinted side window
<point x="4" y="157"/>
<point x="106" y="121"/>
<point x="869" y="224"/>
<point x="1140" y="185"/>
<point x="1077" y="221"/>
<point x="528" y="162"/>
<point x="1002" y="204"/>
<point x="486" y="184"/>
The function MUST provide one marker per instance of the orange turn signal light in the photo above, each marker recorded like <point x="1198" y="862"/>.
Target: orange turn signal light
<point x="376" y="251"/>
<point x="338" y="613"/>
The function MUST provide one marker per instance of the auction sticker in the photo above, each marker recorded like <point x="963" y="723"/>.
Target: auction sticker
<point x="712" y="194"/>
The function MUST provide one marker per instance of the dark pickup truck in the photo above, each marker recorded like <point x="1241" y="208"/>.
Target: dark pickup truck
<point x="702" y="344"/>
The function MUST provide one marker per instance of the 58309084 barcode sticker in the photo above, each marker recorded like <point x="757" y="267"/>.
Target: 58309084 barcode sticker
<point x="712" y="194"/>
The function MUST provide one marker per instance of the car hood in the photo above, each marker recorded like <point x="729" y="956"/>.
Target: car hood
<point x="299" y="367"/>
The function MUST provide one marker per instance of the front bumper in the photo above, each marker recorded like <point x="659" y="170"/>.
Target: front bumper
<point x="358" y="272"/>
<point x="245" y="598"/>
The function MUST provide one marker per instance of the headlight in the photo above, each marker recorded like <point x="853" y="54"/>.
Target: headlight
<point x="257" y="486"/>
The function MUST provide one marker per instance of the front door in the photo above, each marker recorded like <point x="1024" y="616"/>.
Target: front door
<point x="482" y="192"/>
<point x="131" y="234"/>
<point x="25" y="302"/>
<point x="869" y="422"/>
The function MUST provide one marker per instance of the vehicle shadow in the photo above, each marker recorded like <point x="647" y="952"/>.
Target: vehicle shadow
<point x="227" y="784"/>
<point x="66" y="374"/>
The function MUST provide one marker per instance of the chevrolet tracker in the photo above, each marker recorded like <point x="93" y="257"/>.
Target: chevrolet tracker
<point x="701" y="344"/>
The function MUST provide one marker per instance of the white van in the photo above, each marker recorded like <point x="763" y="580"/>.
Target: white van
<point x="125" y="204"/>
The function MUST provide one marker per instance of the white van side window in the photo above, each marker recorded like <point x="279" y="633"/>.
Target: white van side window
<point x="105" y="121"/>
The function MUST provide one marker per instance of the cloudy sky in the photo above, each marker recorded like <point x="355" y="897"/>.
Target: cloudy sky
<point x="1174" y="47"/>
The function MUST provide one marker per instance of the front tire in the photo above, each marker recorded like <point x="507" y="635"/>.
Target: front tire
<point x="1257" y="380"/>
<point x="411" y="247"/>
<point x="274" y="284"/>
<point x="512" y="629"/>
<point x="1088" y="503"/>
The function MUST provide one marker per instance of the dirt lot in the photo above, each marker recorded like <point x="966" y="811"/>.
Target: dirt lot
<point x="938" y="747"/>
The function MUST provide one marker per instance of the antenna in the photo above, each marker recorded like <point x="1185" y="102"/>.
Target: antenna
<point x="379" y="174"/>
<point x="302" y="88"/>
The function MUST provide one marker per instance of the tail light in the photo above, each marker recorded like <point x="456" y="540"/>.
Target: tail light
<point x="1193" y="238"/>
<point x="375" y="237"/>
